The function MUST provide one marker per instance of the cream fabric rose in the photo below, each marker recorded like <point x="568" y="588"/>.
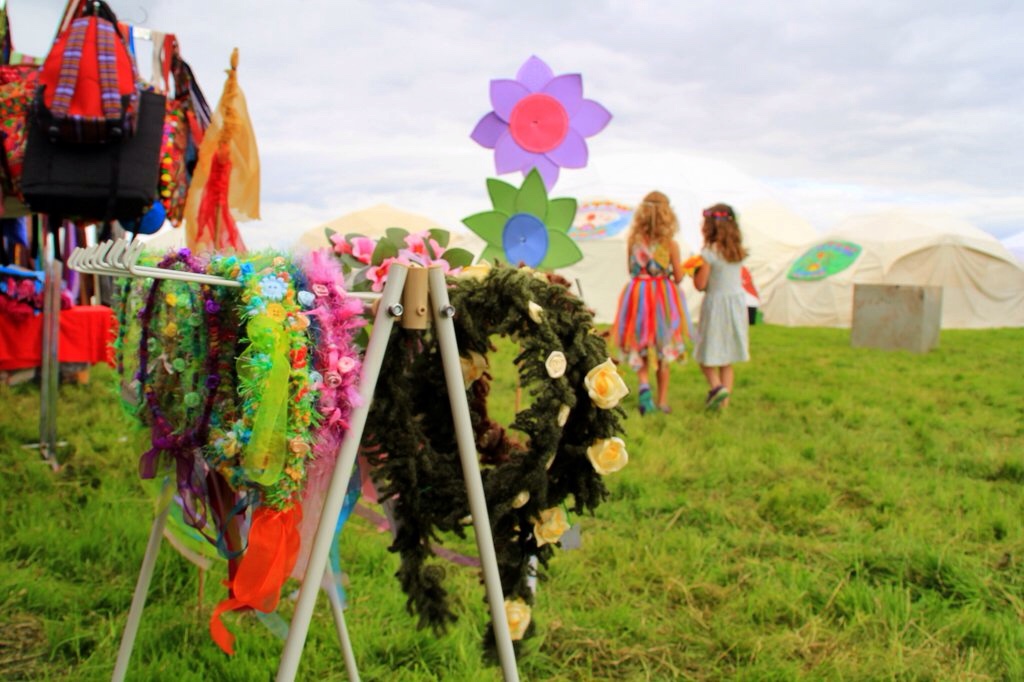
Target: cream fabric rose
<point x="608" y="455"/>
<point x="473" y="367"/>
<point x="563" y="415"/>
<point x="605" y="386"/>
<point x="479" y="271"/>
<point x="556" y="364"/>
<point x="517" y="613"/>
<point x="521" y="499"/>
<point x="550" y="527"/>
<point x="535" y="312"/>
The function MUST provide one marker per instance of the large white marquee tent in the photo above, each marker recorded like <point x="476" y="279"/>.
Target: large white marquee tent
<point x="982" y="283"/>
<point x="1015" y="244"/>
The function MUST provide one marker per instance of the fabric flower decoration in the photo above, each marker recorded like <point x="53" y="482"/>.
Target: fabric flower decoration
<point x="556" y="364"/>
<point x="525" y="227"/>
<point x="563" y="415"/>
<point x="479" y="271"/>
<point x="550" y="527"/>
<point x="517" y="613"/>
<point x="604" y="385"/>
<point x="473" y="367"/>
<point x="273" y="287"/>
<point x="539" y="121"/>
<point x="608" y="455"/>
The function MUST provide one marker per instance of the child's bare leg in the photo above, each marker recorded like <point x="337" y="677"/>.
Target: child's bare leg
<point x="663" y="375"/>
<point x="728" y="377"/>
<point x="712" y="375"/>
<point x="643" y="373"/>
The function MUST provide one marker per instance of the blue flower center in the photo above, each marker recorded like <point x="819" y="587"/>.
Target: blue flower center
<point x="525" y="240"/>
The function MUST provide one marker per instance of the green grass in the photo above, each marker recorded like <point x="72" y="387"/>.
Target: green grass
<point x="854" y="515"/>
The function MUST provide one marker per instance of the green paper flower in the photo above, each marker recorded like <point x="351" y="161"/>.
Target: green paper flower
<point x="525" y="226"/>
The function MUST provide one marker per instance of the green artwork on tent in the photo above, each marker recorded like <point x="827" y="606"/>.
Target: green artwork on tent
<point x="824" y="260"/>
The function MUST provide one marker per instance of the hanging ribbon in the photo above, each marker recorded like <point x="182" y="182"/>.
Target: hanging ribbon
<point x="265" y="453"/>
<point x="214" y="211"/>
<point x="273" y="548"/>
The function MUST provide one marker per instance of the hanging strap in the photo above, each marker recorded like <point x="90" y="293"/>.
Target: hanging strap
<point x="106" y="58"/>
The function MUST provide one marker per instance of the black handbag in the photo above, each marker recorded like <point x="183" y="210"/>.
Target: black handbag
<point x="96" y="182"/>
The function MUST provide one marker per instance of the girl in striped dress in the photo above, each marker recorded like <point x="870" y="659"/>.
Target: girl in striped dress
<point x="652" y="319"/>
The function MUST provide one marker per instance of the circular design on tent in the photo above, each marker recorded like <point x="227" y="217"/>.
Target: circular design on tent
<point x="538" y="123"/>
<point x="525" y="239"/>
<point x="600" y="219"/>
<point x="566" y="438"/>
<point x="824" y="260"/>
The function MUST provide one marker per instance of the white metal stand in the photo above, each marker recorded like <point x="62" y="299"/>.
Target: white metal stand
<point x="118" y="258"/>
<point x="423" y="300"/>
<point x="413" y="313"/>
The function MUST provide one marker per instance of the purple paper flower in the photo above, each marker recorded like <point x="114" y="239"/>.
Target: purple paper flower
<point x="539" y="121"/>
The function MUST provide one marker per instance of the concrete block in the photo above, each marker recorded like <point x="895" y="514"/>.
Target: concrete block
<point x="896" y="317"/>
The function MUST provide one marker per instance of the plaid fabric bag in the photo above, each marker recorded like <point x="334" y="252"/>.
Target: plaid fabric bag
<point x="88" y="88"/>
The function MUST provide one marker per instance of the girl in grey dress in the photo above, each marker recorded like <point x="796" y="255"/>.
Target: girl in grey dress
<point x="722" y="337"/>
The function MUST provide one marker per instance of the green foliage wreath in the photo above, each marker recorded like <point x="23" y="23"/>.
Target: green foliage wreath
<point x="550" y="464"/>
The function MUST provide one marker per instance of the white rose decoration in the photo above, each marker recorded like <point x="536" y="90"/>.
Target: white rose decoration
<point x="473" y="367"/>
<point x="605" y="386"/>
<point x="535" y="312"/>
<point x="563" y="415"/>
<point x="478" y="271"/>
<point x="550" y="526"/>
<point x="608" y="455"/>
<point x="556" y="364"/>
<point x="517" y="613"/>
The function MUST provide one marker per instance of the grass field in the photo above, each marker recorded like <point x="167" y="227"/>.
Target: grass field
<point x="854" y="515"/>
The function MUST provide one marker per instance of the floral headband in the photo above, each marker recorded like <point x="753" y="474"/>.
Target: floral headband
<point x="719" y="213"/>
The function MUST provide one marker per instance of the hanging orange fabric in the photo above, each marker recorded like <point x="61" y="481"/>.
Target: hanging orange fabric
<point x="236" y="183"/>
<point x="268" y="561"/>
<point x="216" y="225"/>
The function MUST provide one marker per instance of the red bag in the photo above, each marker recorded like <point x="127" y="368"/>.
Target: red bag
<point x="88" y="90"/>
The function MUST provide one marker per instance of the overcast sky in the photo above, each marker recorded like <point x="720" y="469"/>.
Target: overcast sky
<point x="834" y="108"/>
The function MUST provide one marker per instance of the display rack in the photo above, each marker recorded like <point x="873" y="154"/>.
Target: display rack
<point x="416" y="297"/>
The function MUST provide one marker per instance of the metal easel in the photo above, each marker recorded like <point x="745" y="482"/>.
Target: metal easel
<point x="417" y="296"/>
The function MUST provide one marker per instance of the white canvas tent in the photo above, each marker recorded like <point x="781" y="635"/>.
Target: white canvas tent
<point x="774" y="235"/>
<point x="1015" y="244"/>
<point x="982" y="284"/>
<point x="371" y="222"/>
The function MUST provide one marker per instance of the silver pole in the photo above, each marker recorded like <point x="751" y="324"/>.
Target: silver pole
<point x="50" y="373"/>
<point x="131" y="629"/>
<point x="338" y="611"/>
<point x="317" y="563"/>
<point x="443" y="313"/>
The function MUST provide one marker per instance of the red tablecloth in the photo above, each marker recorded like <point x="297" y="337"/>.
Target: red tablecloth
<point x="86" y="333"/>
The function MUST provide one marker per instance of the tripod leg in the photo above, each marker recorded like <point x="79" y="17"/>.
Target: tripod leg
<point x="445" y="329"/>
<point x="330" y="586"/>
<point x="131" y="628"/>
<point x="335" y="498"/>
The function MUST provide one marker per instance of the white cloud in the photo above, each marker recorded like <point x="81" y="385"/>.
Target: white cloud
<point x="836" y="107"/>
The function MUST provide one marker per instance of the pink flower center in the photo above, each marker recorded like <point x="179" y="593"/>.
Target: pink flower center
<point x="538" y="123"/>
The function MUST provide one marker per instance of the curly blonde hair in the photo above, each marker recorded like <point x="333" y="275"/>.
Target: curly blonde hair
<point x="722" y="232"/>
<point x="653" y="220"/>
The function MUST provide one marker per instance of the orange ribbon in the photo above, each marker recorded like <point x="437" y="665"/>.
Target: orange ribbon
<point x="268" y="561"/>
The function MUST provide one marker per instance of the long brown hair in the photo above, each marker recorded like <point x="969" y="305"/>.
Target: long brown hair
<point x="653" y="220"/>
<point x="722" y="232"/>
